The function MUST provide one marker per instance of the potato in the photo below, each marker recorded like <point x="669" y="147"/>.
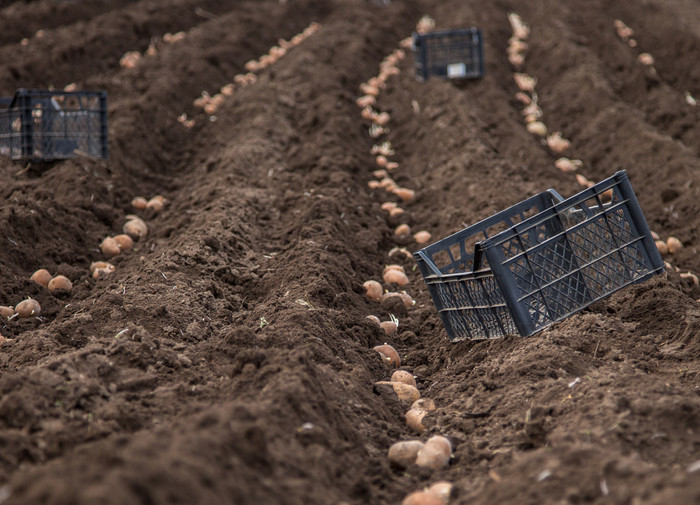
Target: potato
<point x="402" y="231"/>
<point x="374" y="319"/>
<point x="157" y="202"/>
<point x="442" y="489"/>
<point x="382" y="119"/>
<point x="583" y="181"/>
<point x="389" y="354"/>
<point x="662" y="247"/>
<point x="135" y="227"/>
<point x="566" y="165"/>
<point x="424" y="403"/>
<point x="6" y="312"/>
<point x="432" y="456"/>
<point x="414" y="419"/>
<point x="403" y="454"/>
<point x="393" y="267"/>
<point x="390" y="294"/>
<point x="381" y="174"/>
<point x="645" y="59"/>
<point x="674" y="245"/>
<point x="389" y="327"/>
<point x="139" y="203"/>
<point x="387" y="183"/>
<point x="406" y="195"/>
<point x="442" y="442"/>
<point x="227" y="89"/>
<point x="373" y="290"/>
<point x="41" y="276"/>
<point x="422" y="237"/>
<point x="388" y="206"/>
<point x="407" y="299"/>
<point x="523" y="98"/>
<point x="124" y="242"/>
<point x="60" y="282"/>
<point x="557" y="143"/>
<point x="110" y="247"/>
<point x="100" y="269"/>
<point x="422" y="498"/>
<point x="525" y="82"/>
<point x="99" y="264"/>
<point x="101" y="272"/>
<point x="396" y="211"/>
<point x="690" y="276"/>
<point x="406" y="393"/>
<point x="395" y="277"/>
<point x="403" y="376"/>
<point x="436" y="453"/>
<point x="537" y="128"/>
<point x="28" y="308"/>
<point x="365" y="101"/>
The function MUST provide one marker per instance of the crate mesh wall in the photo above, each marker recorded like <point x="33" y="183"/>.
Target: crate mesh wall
<point x="539" y="261"/>
<point x="436" y="51"/>
<point x="52" y="125"/>
<point x="471" y="307"/>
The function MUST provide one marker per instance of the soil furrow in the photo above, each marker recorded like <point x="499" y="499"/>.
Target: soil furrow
<point x="228" y="358"/>
<point x="23" y="20"/>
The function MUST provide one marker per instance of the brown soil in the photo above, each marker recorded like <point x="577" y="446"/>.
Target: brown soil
<point x="228" y="358"/>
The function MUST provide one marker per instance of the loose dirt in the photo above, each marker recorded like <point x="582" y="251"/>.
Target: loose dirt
<point x="228" y="358"/>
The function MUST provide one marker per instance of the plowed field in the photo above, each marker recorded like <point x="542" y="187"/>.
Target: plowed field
<point x="228" y="358"/>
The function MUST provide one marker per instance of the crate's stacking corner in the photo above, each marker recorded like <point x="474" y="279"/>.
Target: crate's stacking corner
<point x="450" y="54"/>
<point x="539" y="261"/>
<point x="49" y="125"/>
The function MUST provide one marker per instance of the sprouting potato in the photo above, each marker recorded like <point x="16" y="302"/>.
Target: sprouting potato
<point x="28" y="308"/>
<point x="389" y="354"/>
<point x="403" y="376"/>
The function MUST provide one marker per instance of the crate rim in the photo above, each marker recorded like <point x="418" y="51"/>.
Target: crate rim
<point x="575" y="200"/>
<point x="32" y="92"/>
<point x="440" y="33"/>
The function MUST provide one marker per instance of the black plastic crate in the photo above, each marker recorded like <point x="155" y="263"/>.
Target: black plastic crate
<point x="50" y="125"/>
<point x="540" y="261"/>
<point x="450" y="54"/>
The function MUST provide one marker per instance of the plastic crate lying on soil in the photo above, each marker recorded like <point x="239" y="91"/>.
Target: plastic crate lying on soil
<point x="450" y="54"/>
<point x="540" y="261"/>
<point x="53" y="125"/>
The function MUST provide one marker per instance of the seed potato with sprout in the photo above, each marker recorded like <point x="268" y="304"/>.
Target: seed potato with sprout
<point x="403" y="376"/>
<point x="28" y="308"/>
<point x="6" y="313"/>
<point x="388" y="354"/>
